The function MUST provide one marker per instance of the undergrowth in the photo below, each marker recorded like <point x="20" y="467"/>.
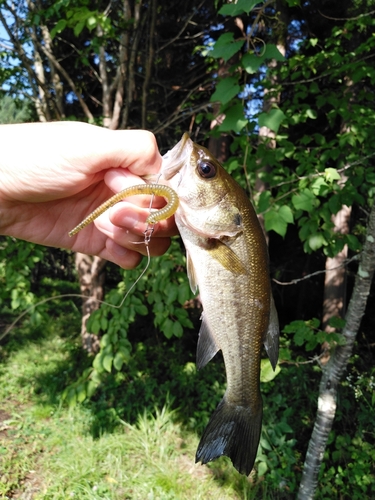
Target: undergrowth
<point x="136" y="440"/>
<point x="137" y="437"/>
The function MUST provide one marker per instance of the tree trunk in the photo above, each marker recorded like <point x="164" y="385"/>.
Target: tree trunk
<point x="334" y="369"/>
<point x="335" y="278"/>
<point x="149" y="61"/>
<point x="91" y="273"/>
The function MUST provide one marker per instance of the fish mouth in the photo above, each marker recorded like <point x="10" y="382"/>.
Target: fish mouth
<point x="175" y="159"/>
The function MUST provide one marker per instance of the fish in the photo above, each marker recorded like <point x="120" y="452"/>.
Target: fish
<point x="227" y="261"/>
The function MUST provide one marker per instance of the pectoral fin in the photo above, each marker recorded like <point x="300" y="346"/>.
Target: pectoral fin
<point x="227" y="258"/>
<point x="191" y="273"/>
<point x="271" y="341"/>
<point x="207" y="346"/>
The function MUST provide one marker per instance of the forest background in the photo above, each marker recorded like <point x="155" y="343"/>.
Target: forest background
<point x="281" y="91"/>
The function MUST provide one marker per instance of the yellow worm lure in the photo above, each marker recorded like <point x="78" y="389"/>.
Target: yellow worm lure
<point x="155" y="189"/>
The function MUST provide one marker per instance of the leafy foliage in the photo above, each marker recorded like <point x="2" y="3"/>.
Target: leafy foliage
<point x="17" y="263"/>
<point x="164" y="288"/>
<point x="13" y="111"/>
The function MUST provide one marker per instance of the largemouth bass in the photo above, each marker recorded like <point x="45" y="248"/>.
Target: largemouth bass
<point x="227" y="260"/>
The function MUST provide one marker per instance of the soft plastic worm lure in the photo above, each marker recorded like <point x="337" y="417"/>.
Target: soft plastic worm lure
<point x="155" y="189"/>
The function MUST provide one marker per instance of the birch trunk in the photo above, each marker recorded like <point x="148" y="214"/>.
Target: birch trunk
<point x="335" y="278"/>
<point x="334" y="369"/>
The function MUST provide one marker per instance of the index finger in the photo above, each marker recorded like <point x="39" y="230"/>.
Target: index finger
<point x="135" y="150"/>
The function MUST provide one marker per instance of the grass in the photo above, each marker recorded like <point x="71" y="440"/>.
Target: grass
<point x="49" y="451"/>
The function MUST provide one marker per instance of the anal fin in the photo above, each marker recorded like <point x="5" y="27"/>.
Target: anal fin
<point x="207" y="346"/>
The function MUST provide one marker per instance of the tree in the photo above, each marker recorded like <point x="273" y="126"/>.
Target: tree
<point x="320" y="107"/>
<point x="121" y="65"/>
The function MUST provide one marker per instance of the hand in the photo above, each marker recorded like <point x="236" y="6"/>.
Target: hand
<point x="54" y="174"/>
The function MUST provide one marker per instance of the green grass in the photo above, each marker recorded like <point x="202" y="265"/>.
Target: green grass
<point x="50" y="451"/>
<point x="136" y="437"/>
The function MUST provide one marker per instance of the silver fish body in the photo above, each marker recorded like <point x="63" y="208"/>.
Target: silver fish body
<point x="227" y="261"/>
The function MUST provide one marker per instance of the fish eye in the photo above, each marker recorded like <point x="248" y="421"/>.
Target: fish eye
<point x="206" y="169"/>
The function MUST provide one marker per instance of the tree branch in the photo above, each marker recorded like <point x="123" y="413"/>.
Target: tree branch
<point x="322" y="271"/>
<point x="70" y="82"/>
<point x="33" y="77"/>
<point x="148" y="63"/>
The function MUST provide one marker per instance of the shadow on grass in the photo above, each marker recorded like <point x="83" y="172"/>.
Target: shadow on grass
<point x="159" y="371"/>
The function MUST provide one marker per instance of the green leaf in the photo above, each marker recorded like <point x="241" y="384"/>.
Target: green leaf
<point x="91" y="388"/>
<point x="272" y="119"/>
<point x="79" y="27"/>
<point x="305" y="200"/>
<point x="184" y="293"/>
<point x="287" y="214"/>
<point x="97" y="363"/>
<point x="337" y="322"/>
<point x="353" y="242"/>
<point x="272" y="52"/>
<point x="177" y="329"/>
<point x="264" y="201"/>
<point x="104" y="323"/>
<point x="59" y="27"/>
<point x="141" y="309"/>
<point x="225" y="47"/>
<point x="311" y="113"/>
<point x="107" y="362"/>
<point x="105" y="340"/>
<point x="81" y="393"/>
<point x="235" y="9"/>
<point x="91" y="22"/>
<point x="331" y="175"/>
<point x="71" y="397"/>
<point x="317" y="241"/>
<point x="226" y="90"/>
<point x="171" y="292"/>
<point x="274" y="221"/>
<point x="167" y="328"/>
<point x="266" y="371"/>
<point x="234" y="119"/>
<point x="334" y="203"/>
<point x="319" y="186"/>
<point x="251" y="63"/>
<point x="118" y="361"/>
<point x="262" y="468"/>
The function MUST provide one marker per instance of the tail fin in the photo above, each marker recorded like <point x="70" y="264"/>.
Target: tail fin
<point x="233" y="431"/>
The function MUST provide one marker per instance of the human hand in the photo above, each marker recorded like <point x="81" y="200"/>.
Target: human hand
<point x="54" y="174"/>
